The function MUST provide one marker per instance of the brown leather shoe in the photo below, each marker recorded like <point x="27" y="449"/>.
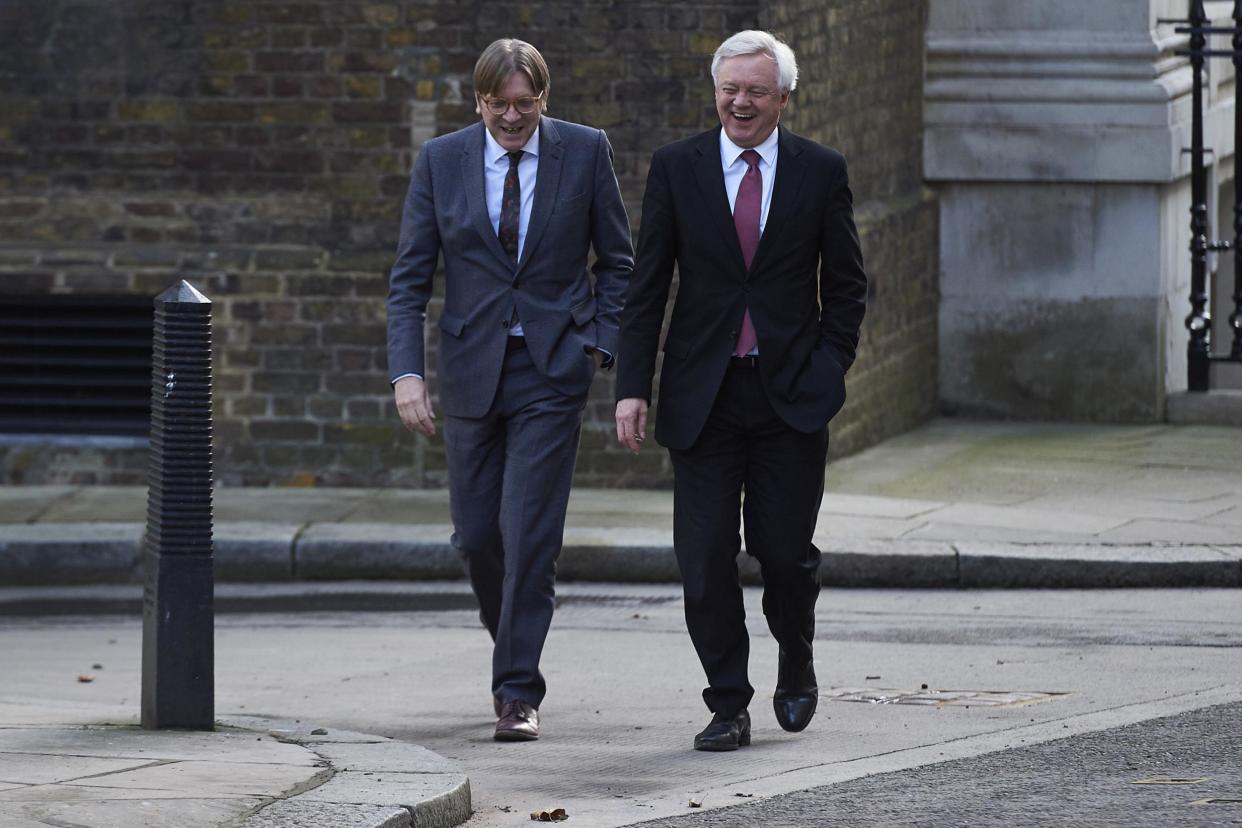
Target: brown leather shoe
<point x="519" y="722"/>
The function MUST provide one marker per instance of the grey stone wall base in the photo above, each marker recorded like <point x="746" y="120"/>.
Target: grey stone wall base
<point x="1216" y="407"/>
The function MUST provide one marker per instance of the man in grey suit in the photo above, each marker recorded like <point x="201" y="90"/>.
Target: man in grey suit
<point x="514" y="204"/>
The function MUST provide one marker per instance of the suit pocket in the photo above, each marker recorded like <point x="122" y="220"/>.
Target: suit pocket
<point x="452" y="324"/>
<point x="573" y="203"/>
<point x="584" y="311"/>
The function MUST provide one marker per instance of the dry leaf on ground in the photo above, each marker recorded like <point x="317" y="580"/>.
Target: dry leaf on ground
<point x="549" y="815"/>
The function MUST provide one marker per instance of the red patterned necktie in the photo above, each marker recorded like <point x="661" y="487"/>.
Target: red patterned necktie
<point x="511" y="207"/>
<point x="746" y="209"/>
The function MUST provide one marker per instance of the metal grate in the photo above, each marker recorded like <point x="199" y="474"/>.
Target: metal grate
<point x="75" y="365"/>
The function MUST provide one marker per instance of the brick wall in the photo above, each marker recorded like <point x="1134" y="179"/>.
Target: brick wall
<point x="861" y="91"/>
<point x="260" y="150"/>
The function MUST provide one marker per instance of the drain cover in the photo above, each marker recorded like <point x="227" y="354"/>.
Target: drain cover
<point x="940" y="698"/>
<point x="1219" y="801"/>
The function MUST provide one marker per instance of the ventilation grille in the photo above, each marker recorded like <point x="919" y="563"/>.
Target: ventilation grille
<point x="75" y="365"/>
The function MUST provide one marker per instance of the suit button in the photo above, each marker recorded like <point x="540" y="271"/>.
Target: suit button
<point x="745" y="288"/>
<point x="732" y="335"/>
<point x="504" y="323"/>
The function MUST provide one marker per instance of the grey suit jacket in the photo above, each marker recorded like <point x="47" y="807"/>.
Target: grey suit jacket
<point x="577" y="206"/>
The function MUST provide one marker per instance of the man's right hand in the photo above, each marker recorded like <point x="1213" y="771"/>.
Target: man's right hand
<point x="414" y="405"/>
<point x="632" y="423"/>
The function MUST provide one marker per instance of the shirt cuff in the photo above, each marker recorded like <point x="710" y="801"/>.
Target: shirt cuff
<point x="403" y="376"/>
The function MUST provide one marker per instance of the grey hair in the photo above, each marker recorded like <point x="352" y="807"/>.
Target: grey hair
<point x="755" y="42"/>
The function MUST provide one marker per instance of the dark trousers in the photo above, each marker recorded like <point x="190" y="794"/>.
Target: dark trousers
<point x="509" y="478"/>
<point x="746" y="448"/>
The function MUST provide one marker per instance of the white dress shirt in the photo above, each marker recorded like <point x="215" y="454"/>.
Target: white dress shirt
<point x="735" y="168"/>
<point x="495" y="168"/>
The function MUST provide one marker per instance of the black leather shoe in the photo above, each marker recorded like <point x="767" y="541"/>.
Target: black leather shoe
<point x="518" y="722"/>
<point x="796" y="694"/>
<point x="725" y="734"/>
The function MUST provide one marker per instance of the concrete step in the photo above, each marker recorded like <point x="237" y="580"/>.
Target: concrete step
<point x="1220" y="406"/>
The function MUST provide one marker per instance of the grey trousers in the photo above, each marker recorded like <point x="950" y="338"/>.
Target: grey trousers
<point x="509" y="477"/>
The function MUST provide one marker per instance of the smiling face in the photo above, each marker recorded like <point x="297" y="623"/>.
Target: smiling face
<point x="511" y="129"/>
<point x="748" y="98"/>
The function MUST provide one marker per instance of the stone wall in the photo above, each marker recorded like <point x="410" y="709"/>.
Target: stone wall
<point x="261" y="150"/>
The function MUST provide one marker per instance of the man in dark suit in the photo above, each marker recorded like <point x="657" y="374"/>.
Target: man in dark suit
<point x="759" y="223"/>
<point x="514" y="204"/>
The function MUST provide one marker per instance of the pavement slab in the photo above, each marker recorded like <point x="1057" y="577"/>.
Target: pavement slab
<point x="24" y="504"/>
<point x="254" y="772"/>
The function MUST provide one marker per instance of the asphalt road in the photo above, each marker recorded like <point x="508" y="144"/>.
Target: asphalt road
<point x="623" y="702"/>
<point x="1181" y="770"/>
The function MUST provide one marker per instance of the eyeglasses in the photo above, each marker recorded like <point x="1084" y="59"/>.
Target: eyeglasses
<point x="731" y="91"/>
<point x="499" y="106"/>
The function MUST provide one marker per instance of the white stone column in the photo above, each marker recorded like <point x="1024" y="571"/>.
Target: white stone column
<point x="1054" y="137"/>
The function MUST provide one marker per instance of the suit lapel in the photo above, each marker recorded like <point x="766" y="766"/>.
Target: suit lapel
<point x="476" y="199"/>
<point x="547" y="182"/>
<point x="710" y="175"/>
<point x="790" y="169"/>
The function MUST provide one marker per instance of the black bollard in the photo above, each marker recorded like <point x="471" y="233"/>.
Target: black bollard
<point x="178" y="656"/>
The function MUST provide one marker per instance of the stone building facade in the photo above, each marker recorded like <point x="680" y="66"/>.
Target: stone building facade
<point x="260" y="150"/>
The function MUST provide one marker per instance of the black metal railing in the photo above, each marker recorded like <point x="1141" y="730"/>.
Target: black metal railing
<point x="1198" y="322"/>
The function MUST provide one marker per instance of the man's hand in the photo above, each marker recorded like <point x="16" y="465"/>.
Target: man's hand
<point x="632" y="423"/>
<point x="414" y="405"/>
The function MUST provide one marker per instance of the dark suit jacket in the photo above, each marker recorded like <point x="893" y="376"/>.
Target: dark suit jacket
<point x="805" y="288"/>
<point x="577" y="206"/>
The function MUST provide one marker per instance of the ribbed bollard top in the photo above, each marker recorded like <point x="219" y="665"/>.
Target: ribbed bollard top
<point x="179" y="509"/>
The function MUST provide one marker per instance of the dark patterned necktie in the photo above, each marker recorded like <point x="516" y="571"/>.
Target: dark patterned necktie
<point x="511" y="207"/>
<point x="746" y="210"/>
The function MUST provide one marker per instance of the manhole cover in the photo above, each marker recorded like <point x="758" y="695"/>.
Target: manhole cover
<point x="940" y="698"/>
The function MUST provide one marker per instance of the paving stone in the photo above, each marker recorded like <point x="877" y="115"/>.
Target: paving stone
<point x="288" y="813"/>
<point x="40" y="769"/>
<point x="181" y="811"/>
<point x="437" y="800"/>
<point x="20" y="504"/>
<point x="1153" y="531"/>
<point x="839" y="503"/>
<point x="209" y="778"/>
<point x="151" y="745"/>
<point x="384" y="756"/>
<point x="91" y="504"/>
<point x="288" y="505"/>
<point x="1021" y="518"/>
